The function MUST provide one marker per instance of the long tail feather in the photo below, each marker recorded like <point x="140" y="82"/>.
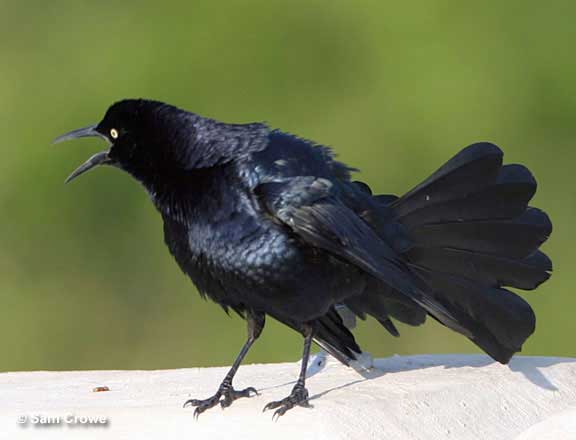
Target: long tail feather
<point x="499" y="321"/>
<point x="471" y="170"/>
<point x="471" y="233"/>
<point x="516" y="238"/>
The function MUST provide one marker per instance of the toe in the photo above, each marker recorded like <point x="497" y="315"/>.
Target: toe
<point x="280" y="412"/>
<point x="299" y="396"/>
<point x="199" y="410"/>
<point x="202" y="405"/>
<point x="226" y="402"/>
<point x="272" y="405"/>
<point x="248" y="392"/>
<point x="231" y="395"/>
<point x="192" y="402"/>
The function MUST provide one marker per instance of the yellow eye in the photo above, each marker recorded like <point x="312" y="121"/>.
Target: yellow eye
<point x="114" y="133"/>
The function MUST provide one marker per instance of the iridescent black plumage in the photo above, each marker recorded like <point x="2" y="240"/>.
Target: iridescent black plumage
<point x="266" y="223"/>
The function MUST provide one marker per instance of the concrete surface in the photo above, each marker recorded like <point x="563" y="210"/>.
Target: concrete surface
<point x="415" y="397"/>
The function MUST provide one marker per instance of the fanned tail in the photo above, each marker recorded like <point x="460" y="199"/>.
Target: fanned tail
<point x="473" y="233"/>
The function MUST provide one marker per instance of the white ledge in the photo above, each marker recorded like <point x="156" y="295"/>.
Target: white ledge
<point x="415" y="397"/>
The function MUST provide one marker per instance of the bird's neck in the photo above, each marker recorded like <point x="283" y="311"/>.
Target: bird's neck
<point x="187" y="196"/>
<point x="199" y="142"/>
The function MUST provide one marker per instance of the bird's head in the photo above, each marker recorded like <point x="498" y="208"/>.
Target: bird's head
<point x="154" y="141"/>
<point x="143" y="137"/>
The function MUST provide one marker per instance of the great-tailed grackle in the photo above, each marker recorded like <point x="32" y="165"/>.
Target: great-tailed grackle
<point x="266" y="223"/>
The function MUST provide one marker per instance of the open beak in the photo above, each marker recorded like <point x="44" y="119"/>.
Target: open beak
<point x="101" y="158"/>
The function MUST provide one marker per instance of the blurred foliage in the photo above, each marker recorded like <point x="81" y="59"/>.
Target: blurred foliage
<point x="395" y="87"/>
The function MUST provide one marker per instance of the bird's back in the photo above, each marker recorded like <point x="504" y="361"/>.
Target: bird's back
<point x="240" y="257"/>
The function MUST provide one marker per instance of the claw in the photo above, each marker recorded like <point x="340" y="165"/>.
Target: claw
<point x="191" y="402"/>
<point x="225" y="396"/>
<point x="281" y="411"/>
<point x="271" y="405"/>
<point x="251" y="390"/>
<point x="298" y="396"/>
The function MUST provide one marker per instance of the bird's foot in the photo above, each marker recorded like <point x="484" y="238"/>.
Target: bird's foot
<point x="225" y="396"/>
<point x="298" y="396"/>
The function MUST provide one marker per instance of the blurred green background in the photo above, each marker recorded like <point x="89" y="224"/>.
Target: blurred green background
<point x="395" y="87"/>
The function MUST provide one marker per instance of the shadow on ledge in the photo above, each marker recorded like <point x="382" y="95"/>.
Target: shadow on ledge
<point x="528" y="366"/>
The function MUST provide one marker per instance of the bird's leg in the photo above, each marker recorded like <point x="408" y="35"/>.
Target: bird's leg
<point x="226" y="394"/>
<point x="299" y="394"/>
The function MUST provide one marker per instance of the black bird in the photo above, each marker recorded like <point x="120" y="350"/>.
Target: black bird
<point x="266" y="223"/>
